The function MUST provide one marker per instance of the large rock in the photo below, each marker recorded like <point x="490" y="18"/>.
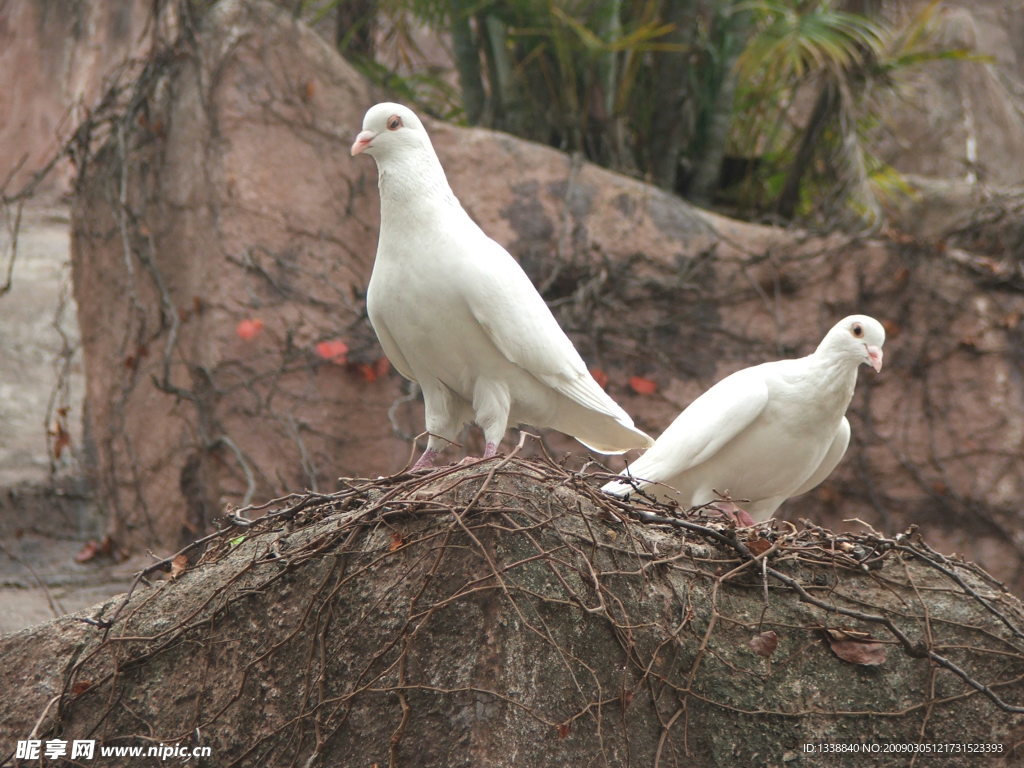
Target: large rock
<point x="54" y="59"/>
<point x="508" y="614"/>
<point x="962" y="119"/>
<point x="241" y="203"/>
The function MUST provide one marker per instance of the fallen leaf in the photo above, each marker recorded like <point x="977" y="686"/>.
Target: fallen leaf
<point x="600" y="377"/>
<point x="308" y="91"/>
<point x="759" y="546"/>
<point x="396" y="541"/>
<point x="334" y="351"/>
<point x="764" y="644"/>
<point x="563" y="730"/>
<point x="61" y="439"/>
<point x="856" y="647"/>
<point x="249" y="329"/>
<point x="643" y="386"/>
<point x="80" y="687"/>
<point x="93" y="549"/>
<point x="178" y="565"/>
<point x="237" y="540"/>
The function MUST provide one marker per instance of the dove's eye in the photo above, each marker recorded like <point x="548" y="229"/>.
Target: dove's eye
<point x="858" y="330"/>
<point x="394" y="123"/>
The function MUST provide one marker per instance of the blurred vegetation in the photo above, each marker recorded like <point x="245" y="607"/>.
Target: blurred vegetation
<point x="767" y="108"/>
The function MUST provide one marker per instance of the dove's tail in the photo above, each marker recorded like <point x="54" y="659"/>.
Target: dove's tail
<point x="617" y="488"/>
<point x="601" y="432"/>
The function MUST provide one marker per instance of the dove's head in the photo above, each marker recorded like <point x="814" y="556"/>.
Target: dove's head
<point x="387" y="128"/>
<point x="857" y="337"/>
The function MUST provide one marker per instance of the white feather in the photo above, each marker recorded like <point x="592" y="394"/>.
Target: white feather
<point x="456" y="313"/>
<point x="762" y="434"/>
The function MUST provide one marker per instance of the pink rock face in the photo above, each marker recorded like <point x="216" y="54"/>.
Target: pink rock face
<point x="245" y="206"/>
<point x="54" y="58"/>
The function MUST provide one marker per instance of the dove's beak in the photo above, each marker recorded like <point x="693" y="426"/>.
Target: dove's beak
<point x="362" y="142"/>
<point x="875" y="357"/>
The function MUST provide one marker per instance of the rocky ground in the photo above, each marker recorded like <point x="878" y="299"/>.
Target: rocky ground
<point x="43" y="524"/>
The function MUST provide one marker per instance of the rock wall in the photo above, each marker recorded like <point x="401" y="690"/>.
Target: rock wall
<point x="245" y="217"/>
<point x="54" y="58"/>
<point x="963" y="120"/>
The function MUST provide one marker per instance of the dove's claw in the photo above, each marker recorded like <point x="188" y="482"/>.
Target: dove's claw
<point x="426" y="461"/>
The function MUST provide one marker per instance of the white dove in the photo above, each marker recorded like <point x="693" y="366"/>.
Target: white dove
<point x="764" y="433"/>
<point x="457" y="314"/>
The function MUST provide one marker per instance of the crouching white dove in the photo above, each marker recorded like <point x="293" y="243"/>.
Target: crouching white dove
<point x="764" y="433"/>
<point x="456" y="313"/>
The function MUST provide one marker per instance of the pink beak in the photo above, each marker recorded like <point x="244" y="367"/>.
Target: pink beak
<point x="362" y="142"/>
<point x="875" y="356"/>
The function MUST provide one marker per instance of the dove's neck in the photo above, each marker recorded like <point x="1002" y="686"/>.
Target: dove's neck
<point x="413" y="188"/>
<point x="835" y="376"/>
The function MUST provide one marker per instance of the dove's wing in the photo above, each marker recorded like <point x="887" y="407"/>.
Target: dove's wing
<point x="389" y="345"/>
<point x="835" y="453"/>
<point x="707" y="425"/>
<point x="515" y="318"/>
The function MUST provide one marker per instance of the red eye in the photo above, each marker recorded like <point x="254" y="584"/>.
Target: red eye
<point x="394" y="123"/>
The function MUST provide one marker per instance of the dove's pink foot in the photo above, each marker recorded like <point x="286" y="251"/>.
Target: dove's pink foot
<point x="735" y="513"/>
<point x="490" y="450"/>
<point x="426" y="461"/>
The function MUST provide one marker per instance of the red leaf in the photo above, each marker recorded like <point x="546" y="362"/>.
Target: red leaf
<point x="80" y="687"/>
<point x="396" y="541"/>
<point x="765" y="643"/>
<point x="249" y="329"/>
<point x="335" y="351"/>
<point x="93" y="549"/>
<point x="643" y="386"/>
<point x="88" y="551"/>
<point x="563" y="730"/>
<point x="856" y="647"/>
<point x="600" y="377"/>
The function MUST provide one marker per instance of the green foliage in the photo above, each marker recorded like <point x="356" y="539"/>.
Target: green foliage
<point x="665" y="89"/>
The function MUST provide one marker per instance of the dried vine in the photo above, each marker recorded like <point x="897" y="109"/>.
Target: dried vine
<point x="538" y="549"/>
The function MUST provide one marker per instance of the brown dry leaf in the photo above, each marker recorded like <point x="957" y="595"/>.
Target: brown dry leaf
<point x="563" y="730"/>
<point x="61" y="439"/>
<point x="396" y="541"/>
<point x="764" y="644"/>
<point x="80" y="687"/>
<point x="178" y="565"/>
<point x="856" y="647"/>
<point x="759" y="546"/>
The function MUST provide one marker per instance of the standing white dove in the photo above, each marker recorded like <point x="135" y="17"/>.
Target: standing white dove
<point x="764" y="433"/>
<point x="457" y="314"/>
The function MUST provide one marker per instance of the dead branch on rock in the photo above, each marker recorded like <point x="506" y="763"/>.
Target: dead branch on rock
<point x="382" y="603"/>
